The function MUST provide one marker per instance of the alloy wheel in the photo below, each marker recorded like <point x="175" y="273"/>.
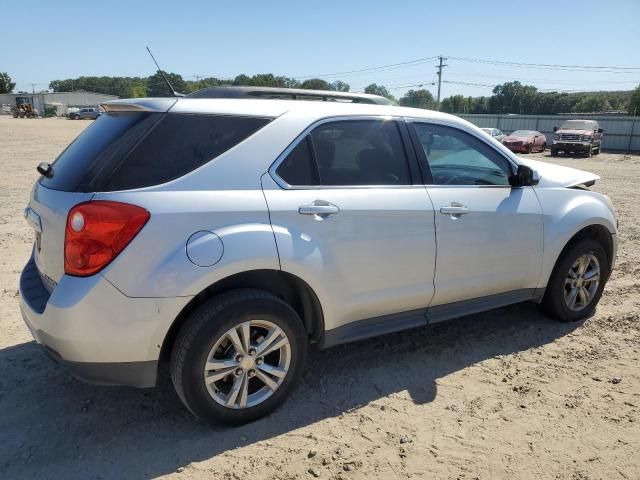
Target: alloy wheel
<point x="247" y="364"/>
<point x="582" y="282"/>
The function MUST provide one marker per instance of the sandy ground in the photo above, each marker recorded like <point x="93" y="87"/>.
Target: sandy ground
<point x="505" y="394"/>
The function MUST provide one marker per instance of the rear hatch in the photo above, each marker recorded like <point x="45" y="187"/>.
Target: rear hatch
<point x="134" y="144"/>
<point x="78" y="172"/>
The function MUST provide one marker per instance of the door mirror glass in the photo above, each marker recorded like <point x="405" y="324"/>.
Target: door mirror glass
<point x="555" y="129"/>
<point x="524" y="177"/>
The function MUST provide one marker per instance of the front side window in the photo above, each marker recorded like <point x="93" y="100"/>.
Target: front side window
<point x="457" y="158"/>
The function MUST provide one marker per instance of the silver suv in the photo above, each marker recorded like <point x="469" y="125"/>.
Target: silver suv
<point x="85" y="113"/>
<point x="223" y="233"/>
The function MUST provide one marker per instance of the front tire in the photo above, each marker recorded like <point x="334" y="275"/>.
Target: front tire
<point x="589" y="152"/>
<point x="577" y="282"/>
<point x="238" y="356"/>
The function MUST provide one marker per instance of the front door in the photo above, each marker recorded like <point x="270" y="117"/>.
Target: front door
<point x="488" y="234"/>
<point x="350" y="220"/>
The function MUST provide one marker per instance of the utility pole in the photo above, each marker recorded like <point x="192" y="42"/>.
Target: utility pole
<point x="33" y="87"/>
<point x="439" y="67"/>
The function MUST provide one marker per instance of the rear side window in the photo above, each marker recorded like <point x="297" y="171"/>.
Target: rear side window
<point x="299" y="168"/>
<point x="111" y="136"/>
<point x="360" y="152"/>
<point x="179" y="144"/>
<point x="348" y="153"/>
<point x="135" y="150"/>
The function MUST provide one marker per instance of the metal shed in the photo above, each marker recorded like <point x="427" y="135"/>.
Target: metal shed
<point x="621" y="132"/>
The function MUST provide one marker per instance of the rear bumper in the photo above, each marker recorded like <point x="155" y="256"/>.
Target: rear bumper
<point x="89" y="326"/>
<point x="134" y="374"/>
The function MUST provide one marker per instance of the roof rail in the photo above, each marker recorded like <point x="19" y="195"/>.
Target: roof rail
<point x="289" y="94"/>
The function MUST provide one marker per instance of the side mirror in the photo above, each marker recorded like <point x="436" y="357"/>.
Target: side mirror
<point x="600" y="130"/>
<point x="524" y="177"/>
<point x="555" y="129"/>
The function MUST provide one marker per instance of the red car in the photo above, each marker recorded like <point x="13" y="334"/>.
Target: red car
<point x="525" y="141"/>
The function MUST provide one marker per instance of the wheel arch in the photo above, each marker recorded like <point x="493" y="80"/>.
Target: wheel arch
<point x="290" y="288"/>
<point x="596" y="231"/>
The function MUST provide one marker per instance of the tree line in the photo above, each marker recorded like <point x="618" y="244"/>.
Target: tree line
<point x="510" y="97"/>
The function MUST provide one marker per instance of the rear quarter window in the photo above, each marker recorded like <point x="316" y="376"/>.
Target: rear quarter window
<point x="179" y="144"/>
<point x="122" y="151"/>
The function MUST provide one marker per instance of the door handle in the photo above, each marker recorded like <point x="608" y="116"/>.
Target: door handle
<point x="319" y="209"/>
<point x="455" y="210"/>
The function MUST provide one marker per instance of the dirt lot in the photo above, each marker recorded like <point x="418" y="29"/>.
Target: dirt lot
<point x="505" y="394"/>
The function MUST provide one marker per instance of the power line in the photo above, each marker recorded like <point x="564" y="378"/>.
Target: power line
<point x="471" y="84"/>
<point x="538" y="80"/>
<point x="549" y="66"/>
<point x="391" y="66"/>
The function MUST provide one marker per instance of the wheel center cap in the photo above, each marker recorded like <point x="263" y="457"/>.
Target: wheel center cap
<point x="248" y="363"/>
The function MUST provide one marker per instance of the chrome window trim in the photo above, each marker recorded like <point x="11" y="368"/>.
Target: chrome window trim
<point x="444" y="123"/>
<point x="341" y="118"/>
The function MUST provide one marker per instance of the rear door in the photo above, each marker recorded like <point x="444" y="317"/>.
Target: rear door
<point x="351" y="218"/>
<point x="489" y="235"/>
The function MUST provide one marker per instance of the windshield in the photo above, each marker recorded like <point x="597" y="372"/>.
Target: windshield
<point x="578" y="125"/>
<point x="523" y="133"/>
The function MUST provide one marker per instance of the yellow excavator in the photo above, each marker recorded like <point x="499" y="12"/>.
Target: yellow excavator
<point x="24" y="108"/>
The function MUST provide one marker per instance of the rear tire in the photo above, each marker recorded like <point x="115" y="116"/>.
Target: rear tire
<point x="204" y="341"/>
<point x="557" y="298"/>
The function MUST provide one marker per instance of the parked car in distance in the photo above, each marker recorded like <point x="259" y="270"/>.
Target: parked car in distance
<point x="85" y="114"/>
<point x="577" y="136"/>
<point x="494" y="133"/>
<point x="525" y="141"/>
<point x="223" y="233"/>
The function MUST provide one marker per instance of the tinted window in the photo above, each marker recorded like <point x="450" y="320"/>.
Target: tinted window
<point x="457" y="158"/>
<point x="108" y="138"/>
<point x="360" y="152"/>
<point x="179" y="144"/>
<point x="298" y="168"/>
<point x="134" y="150"/>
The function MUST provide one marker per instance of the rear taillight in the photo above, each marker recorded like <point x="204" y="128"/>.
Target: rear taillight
<point x="97" y="232"/>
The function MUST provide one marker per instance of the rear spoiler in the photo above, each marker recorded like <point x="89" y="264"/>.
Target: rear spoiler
<point x="139" y="105"/>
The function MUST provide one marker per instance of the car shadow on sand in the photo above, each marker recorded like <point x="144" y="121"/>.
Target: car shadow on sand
<point x="53" y="426"/>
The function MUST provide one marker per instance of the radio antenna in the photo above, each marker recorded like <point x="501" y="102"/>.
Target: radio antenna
<point x="166" y="80"/>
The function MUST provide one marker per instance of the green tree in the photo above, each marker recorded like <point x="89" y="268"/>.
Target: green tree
<point x="316" y="84"/>
<point x="157" y="87"/>
<point x="340" y="86"/>
<point x="417" y="99"/>
<point x="513" y="97"/>
<point x="381" y="90"/>
<point x="6" y="85"/>
<point x="634" y="102"/>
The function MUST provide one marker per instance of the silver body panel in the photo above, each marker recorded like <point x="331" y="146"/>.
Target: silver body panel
<point x="365" y="252"/>
<point x="374" y="257"/>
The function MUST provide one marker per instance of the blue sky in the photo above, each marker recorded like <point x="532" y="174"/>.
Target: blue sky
<point x="207" y="38"/>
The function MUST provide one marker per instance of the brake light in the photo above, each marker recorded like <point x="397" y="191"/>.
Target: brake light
<point x="96" y="233"/>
